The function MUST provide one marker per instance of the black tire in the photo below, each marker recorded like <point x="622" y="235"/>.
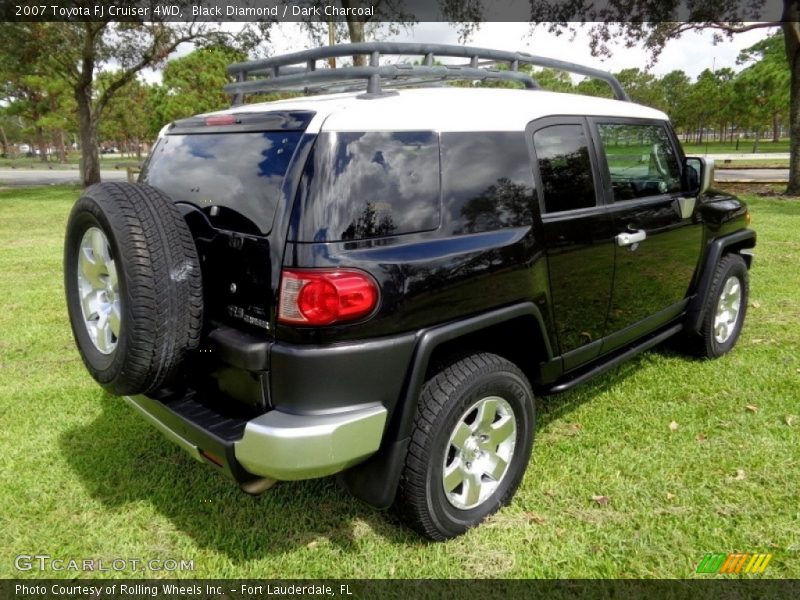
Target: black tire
<point x="159" y="287"/>
<point x="706" y="344"/>
<point x="422" y="501"/>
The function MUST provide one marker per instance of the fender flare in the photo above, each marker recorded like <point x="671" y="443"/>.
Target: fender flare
<point x="739" y="240"/>
<point x="375" y="481"/>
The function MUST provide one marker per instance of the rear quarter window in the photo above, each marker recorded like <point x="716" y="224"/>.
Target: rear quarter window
<point x="487" y="181"/>
<point x="360" y="185"/>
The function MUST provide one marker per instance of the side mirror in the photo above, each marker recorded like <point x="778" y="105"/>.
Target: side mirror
<point x="698" y="174"/>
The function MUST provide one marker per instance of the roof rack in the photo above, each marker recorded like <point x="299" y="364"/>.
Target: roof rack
<point x="282" y="73"/>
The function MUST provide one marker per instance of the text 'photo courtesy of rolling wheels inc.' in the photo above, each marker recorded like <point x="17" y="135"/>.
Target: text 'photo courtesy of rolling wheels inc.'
<point x="396" y="299"/>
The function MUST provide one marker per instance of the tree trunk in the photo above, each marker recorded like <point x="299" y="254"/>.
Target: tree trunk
<point x="776" y="127"/>
<point x="356" y="31"/>
<point x="4" y="141"/>
<point x="87" y="131"/>
<point x="791" y="35"/>
<point x="87" y="116"/>
<point x="331" y="42"/>
<point x="41" y="143"/>
<point x="61" y="146"/>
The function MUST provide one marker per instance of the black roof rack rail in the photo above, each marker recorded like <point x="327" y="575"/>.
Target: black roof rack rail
<point x="283" y="73"/>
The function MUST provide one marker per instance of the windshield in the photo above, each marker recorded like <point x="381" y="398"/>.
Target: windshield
<point x="239" y="171"/>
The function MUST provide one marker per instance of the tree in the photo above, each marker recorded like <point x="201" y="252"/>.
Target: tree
<point x="675" y="88"/>
<point x="126" y="119"/>
<point x="75" y="52"/>
<point x="641" y="86"/>
<point x="652" y="24"/>
<point x="25" y="95"/>
<point x="711" y="99"/>
<point x="553" y="80"/>
<point x="26" y="100"/>
<point x="10" y="132"/>
<point x="388" y="18"/>
<point x="193" y="84"/>
<point x="767" y="78"/>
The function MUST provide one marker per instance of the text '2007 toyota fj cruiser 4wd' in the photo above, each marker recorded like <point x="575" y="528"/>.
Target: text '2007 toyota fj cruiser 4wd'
<point x="376" y="282"/>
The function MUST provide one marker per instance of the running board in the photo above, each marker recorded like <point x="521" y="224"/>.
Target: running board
<point x="615" y="360"/>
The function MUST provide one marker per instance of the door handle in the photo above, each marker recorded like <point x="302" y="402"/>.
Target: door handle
<point x="628" y="238"/>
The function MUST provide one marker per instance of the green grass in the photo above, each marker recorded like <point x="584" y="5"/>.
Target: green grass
<point x="72" y="162"/>
<point x="745" y="147"/>
<point x="82" y="476"/>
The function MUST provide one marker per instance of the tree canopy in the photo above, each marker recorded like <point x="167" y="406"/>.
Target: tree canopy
<point x="651" y="25"/>
<point x="45" y="99"/>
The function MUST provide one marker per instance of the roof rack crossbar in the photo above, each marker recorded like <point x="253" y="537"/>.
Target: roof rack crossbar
<point x="283" y="73"/>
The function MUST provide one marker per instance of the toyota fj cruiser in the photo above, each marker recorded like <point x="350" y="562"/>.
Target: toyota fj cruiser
<point x="377" y="283"/>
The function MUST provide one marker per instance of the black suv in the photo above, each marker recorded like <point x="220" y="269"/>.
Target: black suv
<point x="377" y="283"/>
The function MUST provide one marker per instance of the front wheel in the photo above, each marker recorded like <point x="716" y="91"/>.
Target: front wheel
<point x="470" y="446"/>
<point x="725" y="309"/>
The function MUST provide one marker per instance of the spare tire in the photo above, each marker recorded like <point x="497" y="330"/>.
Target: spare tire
<point x="133" y="286"/>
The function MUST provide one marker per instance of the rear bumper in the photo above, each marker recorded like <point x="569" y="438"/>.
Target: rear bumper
<point x="286" y="447"/>
<point x="276" y="445"/>
<point x="326" y="407"/>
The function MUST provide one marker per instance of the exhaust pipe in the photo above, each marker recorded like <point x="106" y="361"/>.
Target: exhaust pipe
<point x="256" y="487"/>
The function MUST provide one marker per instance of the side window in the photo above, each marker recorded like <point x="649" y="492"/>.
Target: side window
<point x="641" y="160"/>
<point x="360" y="185"/>
<point x="565" y="167"/>
<point x="487" y="181"/>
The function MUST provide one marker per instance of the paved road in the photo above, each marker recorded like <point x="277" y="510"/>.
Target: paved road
<point x="18" y="177"/>
<point x="746" y="156"/>
<point x="751" y="175"/>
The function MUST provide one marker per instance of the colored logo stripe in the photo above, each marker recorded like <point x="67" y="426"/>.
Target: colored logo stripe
<point x="733" y="563"/>
<point x="711" y="563"/>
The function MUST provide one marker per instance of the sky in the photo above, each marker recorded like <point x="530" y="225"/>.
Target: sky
<point x="692" y="53"/>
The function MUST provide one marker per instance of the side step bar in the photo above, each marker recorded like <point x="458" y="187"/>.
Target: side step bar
<point x="596" y="369"/>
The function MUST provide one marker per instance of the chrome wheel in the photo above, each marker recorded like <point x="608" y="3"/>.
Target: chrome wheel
<point x="98" y="287"/>
<point x="728" y="307"/>
<point x="479" y="452"/>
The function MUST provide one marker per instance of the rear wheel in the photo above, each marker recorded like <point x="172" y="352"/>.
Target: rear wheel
<point x="470" y="446"/>
<point x="133" y="286"/>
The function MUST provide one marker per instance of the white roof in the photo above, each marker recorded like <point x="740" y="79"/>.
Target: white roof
<point x="448" y="109"/>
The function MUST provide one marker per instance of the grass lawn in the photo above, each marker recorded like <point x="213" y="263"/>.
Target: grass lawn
<point x="82" y="476"/>
<point x="745" y="147"/>
<point x="72" y="162"/>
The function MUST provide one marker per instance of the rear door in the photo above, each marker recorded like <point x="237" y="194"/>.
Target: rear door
<point x="227" y="173"/>
<point x="657" y="236"/>
<point x="578" y="234"/>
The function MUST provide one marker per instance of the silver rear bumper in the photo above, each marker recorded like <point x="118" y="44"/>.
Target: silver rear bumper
<point x="277" y="445"/>
<point x="285" y="447"/>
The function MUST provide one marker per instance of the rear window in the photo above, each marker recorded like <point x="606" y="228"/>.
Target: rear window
<point x="242" y="172"/>
<point x="360" y="185"/>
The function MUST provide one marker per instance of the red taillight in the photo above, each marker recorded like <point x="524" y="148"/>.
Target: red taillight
<point x="325" y="296"/>
<point x="221" y="120"/>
